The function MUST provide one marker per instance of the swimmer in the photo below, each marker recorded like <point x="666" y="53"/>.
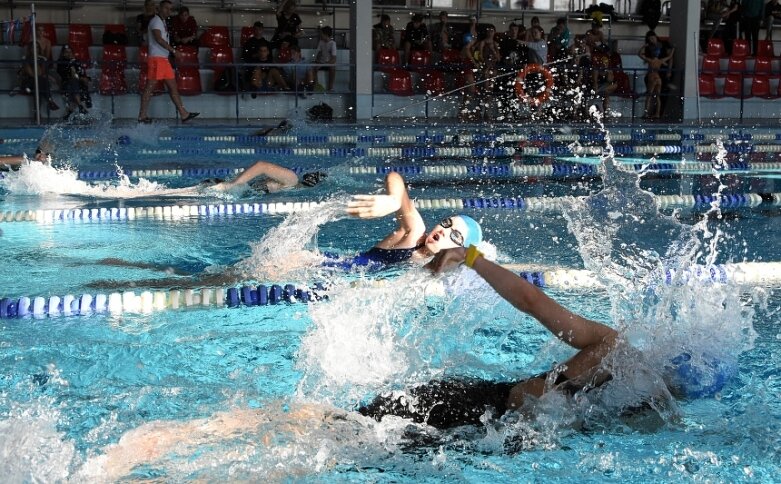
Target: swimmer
<point x="14" y="162"/>
<point x="410" y="241"/>
<point x="267" y="177"/>
<point x="282" y="127"/>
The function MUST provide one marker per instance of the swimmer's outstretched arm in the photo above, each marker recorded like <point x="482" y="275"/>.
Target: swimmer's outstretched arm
<point x="396" y="199"/>
<point x="569" y="327"/>
<point x="279" y="174"/>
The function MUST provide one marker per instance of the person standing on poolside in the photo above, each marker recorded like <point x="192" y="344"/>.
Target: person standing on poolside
<point x="159" y="68"/>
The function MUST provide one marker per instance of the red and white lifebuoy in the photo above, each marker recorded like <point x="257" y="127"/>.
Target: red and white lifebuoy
<point x="542" y="95"/>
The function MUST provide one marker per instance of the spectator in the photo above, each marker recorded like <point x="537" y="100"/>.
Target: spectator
<point x="470" y="108"/>
<point x="249" y="52"/>
<point x="143" y="19"/>
<point x="288" y="25"/>
<point x="535" y="23"/>
<point x="184" y="28"/>
<point x="651" y="11"/>
<point x="731" y="18"/>
<point x="602" y="80"/>
<point x="558" y="39"/>
<point x="751" y="18"/>
<point x="41" y="57"/>
<point x="538" y="45"/>
<point x="159" y="68"/>
<point x="383" y="34"/>
<point x="265" y="77"/>
<point x="653" y="82"/>
<point x="326" y="54"/>
<point x="441" y="33"/>
<point x="772" y="12"/>
<point x="298" y="73"/>
<point x="511" y="49"/>
<point x="416" y="37"/>
<point x="656" y="49"/>
<point x="74" y="81"/>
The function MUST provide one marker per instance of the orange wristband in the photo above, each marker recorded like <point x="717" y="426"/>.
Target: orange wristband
<point x="471" y="255"/>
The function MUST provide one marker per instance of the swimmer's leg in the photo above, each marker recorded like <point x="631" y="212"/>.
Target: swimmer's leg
<point x="201" y="280"/>
<point x="116" y="262"/>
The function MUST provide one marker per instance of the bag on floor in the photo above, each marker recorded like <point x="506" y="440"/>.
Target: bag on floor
<point x="320" y="112"/>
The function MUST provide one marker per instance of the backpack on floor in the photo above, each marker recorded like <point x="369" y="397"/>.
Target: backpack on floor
<point x="320" y="112"/>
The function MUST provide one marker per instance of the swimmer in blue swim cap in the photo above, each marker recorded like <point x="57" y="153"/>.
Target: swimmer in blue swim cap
<point x="409" y="241"/>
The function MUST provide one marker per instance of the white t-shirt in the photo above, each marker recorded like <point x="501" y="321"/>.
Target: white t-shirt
<point x="326" y="51"/>
<point x="540" y="47"/>
<point x="155" y="49"/>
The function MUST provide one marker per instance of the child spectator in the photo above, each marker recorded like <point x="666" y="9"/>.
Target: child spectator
<point x="538" y="45"/>
<point x="264" y="77"/>
<point x="441" y="33"/>
<point x="298" y="73"/>
<point x="142" y="20"/>
<point x="184" y="28"/>
<point x="249" y="51"/>
<point x="383" y="34"/>
<point x="27" y="73"/>
<point x="513" y="53"/>
<point x="535" y="23"/>
<point x="288" y="25"/>
<point x="558" y="39"/>
<point x="416" y="37"/>
<point x="602" y="79"/>
<point x="74" y="81"/>
<point x="326" y="54"/>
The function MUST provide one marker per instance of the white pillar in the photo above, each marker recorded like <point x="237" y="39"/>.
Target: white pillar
<point x="685" y="35"/>
<point x="361" y="57"/>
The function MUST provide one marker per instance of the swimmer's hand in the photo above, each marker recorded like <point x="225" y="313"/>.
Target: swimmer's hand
<point x="446" y="259"/>
<point x="221" y="187"/>
<point x="372" y="206"/>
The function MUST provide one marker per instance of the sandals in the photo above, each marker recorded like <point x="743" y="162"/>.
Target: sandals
<point x="190" y="116"/>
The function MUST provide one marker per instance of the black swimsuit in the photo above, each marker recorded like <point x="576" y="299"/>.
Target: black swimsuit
<point x="453" y="402"/>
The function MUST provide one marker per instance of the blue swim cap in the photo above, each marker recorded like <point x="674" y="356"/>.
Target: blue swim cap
<point x="123" y="140"/>
<point x="474" y="234"/>
<point x="704" y="379"/>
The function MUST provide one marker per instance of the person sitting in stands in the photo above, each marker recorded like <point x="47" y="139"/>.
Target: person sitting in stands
<point x="74" y="81"/>
<point x="184" y="28"/>
<point x="558" y="39"/>
<point x="416" y="37"/>
<point x="538" y="45"/>
<point x="383" y="36"/>
<point x="143" y="19"/>
<point x="41" y="57"/>
<point x="267" y="78"/>
<point x="298" y="73"/>
<point x="441" y="33"/>
<point x="288" y="25"/>
<point x="326" y="54"/>
<point x="249" y="51"/>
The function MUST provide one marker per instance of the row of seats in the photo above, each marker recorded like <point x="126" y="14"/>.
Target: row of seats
<point x="739" y="86"/>
<point x="761" y="65"/>
<point x="81" y="34"/>
<point x="740" y="48"/>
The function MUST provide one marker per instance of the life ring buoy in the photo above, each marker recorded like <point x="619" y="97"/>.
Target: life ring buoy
<point x="542" y="95"/>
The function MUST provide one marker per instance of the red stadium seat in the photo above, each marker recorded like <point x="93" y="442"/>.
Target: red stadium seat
<point x="399" y="82"/>
<point x="283" y="57"/>
<point x="434" y="83"/>
<point x="112" y="81"/>
<point x="451" y="56"/>
<point x="733" y="85"/>
<point x="419" y="60"/>
<point x="760" y="87"/>
<point x="112" y="75"/>
<point x="114" y="31"/>
<point x="143" y="55"/>
<point x="221" y="57"/>
<point x="763" y="65"/>
<point x="765" y="49"/>
<point x="188" y="75"/>
<point x="737" y="64"/>
<point x="215" y="36"/>
<point x="48" y="30"/>
<point x="387" y="59"/>
<point x="81" y="52"/>
<point x="707" y="86"/>
<point x="79" y="34"/>
<point x="711" y="64"/>
<point x="740" y="48"/>
<point x="246" y="33"/>
<point x="716" y="47"/>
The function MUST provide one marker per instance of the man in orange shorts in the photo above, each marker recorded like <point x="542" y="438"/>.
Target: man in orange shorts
<point x="159" y="69"/>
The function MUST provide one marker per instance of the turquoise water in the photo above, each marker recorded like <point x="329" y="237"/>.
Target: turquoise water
<point x="75" y="385"/>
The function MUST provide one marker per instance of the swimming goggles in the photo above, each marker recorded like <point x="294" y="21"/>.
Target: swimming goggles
<point x="455" y="235"/>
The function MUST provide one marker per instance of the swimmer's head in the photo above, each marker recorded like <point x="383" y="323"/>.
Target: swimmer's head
<point x="455" y="231"/>
<point x="210" y="182"/>
<point x="701" y="377"/>
<point x="313" y="178"/>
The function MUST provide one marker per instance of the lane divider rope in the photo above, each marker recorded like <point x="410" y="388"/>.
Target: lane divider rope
<point x="123" y="302"/>
<point x="531" y="204"/>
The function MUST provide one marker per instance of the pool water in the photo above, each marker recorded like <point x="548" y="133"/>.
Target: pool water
<point x="73" y="386"/>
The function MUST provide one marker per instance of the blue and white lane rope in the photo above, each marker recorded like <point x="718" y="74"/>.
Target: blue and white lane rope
<point x="460" y="151"/>
<point x="530" y="204"/>
<point x="128" y="302"/>
<point x="570" y="169"/>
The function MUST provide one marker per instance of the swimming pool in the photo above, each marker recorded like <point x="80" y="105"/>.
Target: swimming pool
<point x="75" y="384"/>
